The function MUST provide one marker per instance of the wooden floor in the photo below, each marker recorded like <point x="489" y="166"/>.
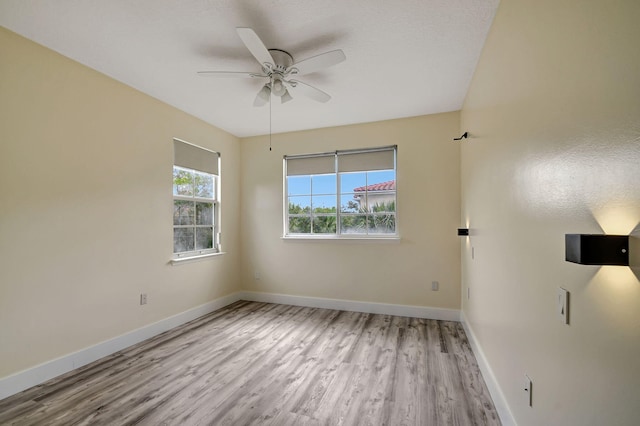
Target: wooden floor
<point x="267" y="364"/>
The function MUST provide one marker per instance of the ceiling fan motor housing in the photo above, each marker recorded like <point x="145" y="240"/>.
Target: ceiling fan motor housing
<point x="282" y="59"/>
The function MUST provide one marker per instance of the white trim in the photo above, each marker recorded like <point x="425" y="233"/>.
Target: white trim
<point x="354" y="305"/>
<point x="332" y="237"/>
<point x="179" y="260"/>
<point x="499" y="401"/>
<point x="25" y="379"/>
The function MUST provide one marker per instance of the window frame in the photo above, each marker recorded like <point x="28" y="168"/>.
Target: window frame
<point x="214" y="200"/>
<point x="338" y="234"/>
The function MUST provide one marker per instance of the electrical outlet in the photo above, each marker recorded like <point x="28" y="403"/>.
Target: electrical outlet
<point x="468" y="293"/>
<point x="562" y="304"/>
<point x="473" y="253"/>
<point x="528" y="388"/>
<point x="143" y="298"/>
<point x="435" y="285"/>
<point x="256" y="275"/>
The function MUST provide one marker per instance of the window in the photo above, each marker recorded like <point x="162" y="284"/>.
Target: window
<point x="343" y="194"/>
<point x="195" y="200"/>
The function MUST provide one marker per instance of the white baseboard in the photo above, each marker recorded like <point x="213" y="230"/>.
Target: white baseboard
<point x="354" y="305"/>
<point x="25" y="379"/>
<point x="499" y="400"/>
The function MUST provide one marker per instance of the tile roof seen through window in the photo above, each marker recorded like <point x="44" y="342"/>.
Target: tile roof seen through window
<point x="382" y="186"/>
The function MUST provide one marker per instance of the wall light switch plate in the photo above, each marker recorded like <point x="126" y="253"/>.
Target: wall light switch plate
<point x="562" y="305"/>
<point x="435" y="285"/>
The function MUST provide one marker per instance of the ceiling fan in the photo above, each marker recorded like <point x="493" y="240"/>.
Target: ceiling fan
<point x="278" y="67"/>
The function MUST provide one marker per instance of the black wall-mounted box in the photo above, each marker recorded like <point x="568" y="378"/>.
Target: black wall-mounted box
<point x="463" y="231"/>
<point x="590" y="249"/>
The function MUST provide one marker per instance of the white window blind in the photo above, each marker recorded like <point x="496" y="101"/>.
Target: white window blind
<point x="359" y="161"/>
<point x="195" y="158"/>
<point x="315" y="165"/>
<point x="348" y="161"/>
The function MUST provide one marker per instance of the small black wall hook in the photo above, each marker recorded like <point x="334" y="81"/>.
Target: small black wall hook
<point x="464" y="136"/>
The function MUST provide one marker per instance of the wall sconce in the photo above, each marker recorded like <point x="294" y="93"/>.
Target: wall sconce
<point x="463" y="231"/>
<point x="590" y="249"/>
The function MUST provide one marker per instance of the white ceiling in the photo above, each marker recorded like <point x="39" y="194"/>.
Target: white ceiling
<point x="404" y="57"/>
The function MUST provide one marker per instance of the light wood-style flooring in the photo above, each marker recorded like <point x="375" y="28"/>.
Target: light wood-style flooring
<point x="267" y="364"/>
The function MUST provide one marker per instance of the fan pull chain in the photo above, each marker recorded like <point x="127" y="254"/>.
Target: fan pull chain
<point x="269" y="121"/>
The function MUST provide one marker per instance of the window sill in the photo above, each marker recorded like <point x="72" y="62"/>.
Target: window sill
<point x="194" y="258"/>
<point x="352" y="239"/>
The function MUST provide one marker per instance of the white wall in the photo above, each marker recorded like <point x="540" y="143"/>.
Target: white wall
<point x="554" y="117"/>
<point x="86" y="208"/>
<point x="428" y="179"/>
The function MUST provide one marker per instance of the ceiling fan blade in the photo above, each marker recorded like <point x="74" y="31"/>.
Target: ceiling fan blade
<point x="318" y="62"/>
<point x="229" y="74"/>
<point x="310" y="91"/>
<point x="255" y="45"/>
<point x="263" y="96"/>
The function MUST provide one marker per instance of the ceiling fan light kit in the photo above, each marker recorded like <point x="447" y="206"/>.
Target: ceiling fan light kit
<point x="277" y="66"/>
<point x="263" y="95"/>
<point x="286" y="97"/>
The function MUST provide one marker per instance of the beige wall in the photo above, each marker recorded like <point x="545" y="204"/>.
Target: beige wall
<point x="86" y="208"/>
<point x="554" y="115"/>
<point x="428" y="179"/>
